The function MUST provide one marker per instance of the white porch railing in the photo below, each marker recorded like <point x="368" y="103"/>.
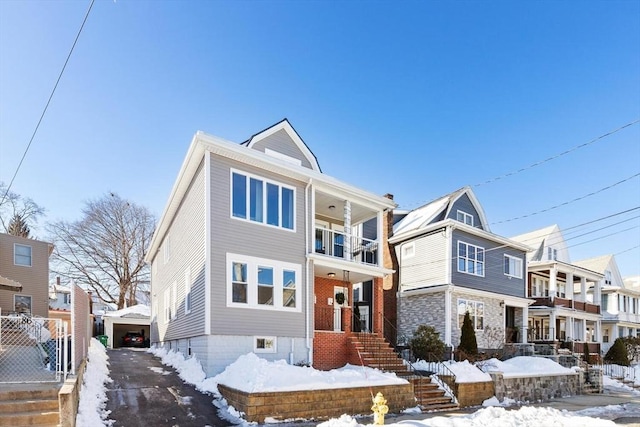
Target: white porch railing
<point x="352" y="248"/>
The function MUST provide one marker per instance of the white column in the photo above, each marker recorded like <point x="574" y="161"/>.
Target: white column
<point x="552" y="326"/>
<point x="583" y="289"/>
<point x="553" y="282"/>
<point x="347" y="230"/>
<point x="597" y="293"/>
<point x="599" y="331"/>
<point x="379" y="237"/>
<point x="568" y="287"/>
<point x="525" y="323"/>
<point x="571" y="332"/>
<point x="584" y="330"/>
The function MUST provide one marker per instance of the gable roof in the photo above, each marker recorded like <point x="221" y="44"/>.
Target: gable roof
<point x="598" y="264"/>
<point x="424" y="215"/>
<point x="537" y="238"/>
<point x="285" y="126"/>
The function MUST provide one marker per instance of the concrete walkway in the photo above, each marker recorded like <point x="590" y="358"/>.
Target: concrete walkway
<point x="144" y="392"/>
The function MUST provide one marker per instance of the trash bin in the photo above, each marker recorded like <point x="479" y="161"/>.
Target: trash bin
<point x="50" y="346"/>
<point x="103" y="339"/>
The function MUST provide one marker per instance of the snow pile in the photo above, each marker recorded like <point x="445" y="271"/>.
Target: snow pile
<point x="93" y="396"/>
<point x="493" y="401"/>
<point x="139" y="310"/>
<point x="251" y="374"/>
<point x="464" y="371"/>
<point x="494" y="417"/>
<point x="522" y="366"/>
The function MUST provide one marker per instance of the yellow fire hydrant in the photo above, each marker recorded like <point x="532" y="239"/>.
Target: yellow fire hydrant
<point x="379" y="409"/>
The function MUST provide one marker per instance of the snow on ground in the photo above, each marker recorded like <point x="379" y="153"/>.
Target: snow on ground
<point x="93" y="393"/>
<point x="250" y="373"/>
<point x="494" y="417"/>
<point x="525" y="366"/>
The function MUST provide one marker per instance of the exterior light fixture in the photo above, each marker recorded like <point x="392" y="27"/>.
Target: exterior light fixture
<point x="332" y="274"/>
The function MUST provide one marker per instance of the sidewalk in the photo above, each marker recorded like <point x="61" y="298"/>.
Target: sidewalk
<point x="145" y="393"/>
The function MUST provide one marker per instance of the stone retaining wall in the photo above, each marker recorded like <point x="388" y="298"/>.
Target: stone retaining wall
<point x="473" y="394"/>
<point x="315" y="404"/>
<point x="536" y="388"/>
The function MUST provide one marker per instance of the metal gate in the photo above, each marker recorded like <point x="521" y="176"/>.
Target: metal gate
<point x="33" y="349"/>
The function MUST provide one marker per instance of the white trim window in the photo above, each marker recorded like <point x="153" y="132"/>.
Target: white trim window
<point x="513" y="266"/>
<point x="257" y="199"/>
<point x="409" y="250"/>
<point x="174" y="300"/>
<point x="264" y="345"/>
<point x="476" y="312"/>
<point x="187" y="291"/>
<point x="22" y="303"/>
<point x="167" y="305"/>
<point x="22" y="255"/>
<point x="464" y="217"/>
<point x="262" y="283"/>
<point x="470" y="259"/>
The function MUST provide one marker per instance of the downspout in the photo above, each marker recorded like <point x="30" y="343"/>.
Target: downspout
<point x="308" y="262"/>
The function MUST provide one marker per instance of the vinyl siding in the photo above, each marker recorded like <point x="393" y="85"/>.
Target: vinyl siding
<point x="34" y="279"/>
<point x="281" y="143"/>
<point x="494" y="279"/>
<point x="230" y="235"/>
<point x="187" y="241"/>
<point x="428" y="265"/>
<point x="464" y="204"/>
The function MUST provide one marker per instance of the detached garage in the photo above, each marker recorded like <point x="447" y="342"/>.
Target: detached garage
<point x="131" y="319"/>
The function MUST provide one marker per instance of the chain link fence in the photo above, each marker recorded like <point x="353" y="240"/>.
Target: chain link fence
<point x="33" y="349"/>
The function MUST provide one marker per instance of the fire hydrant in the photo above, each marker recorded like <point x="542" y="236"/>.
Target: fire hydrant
<point x="379" y="409"/>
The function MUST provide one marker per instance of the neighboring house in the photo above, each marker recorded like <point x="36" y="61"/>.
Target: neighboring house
<point x="562" y="313"/>
<point x="59" y="297"/>
<point x="99" y="308"/>
<point x="259" y="251"/>
<point x="25" y="261"/>
<point x="619" y="303"/>
<point x="450" y="263"/>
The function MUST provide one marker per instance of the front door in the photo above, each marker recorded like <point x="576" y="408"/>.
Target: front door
<point x="337" y="307"/>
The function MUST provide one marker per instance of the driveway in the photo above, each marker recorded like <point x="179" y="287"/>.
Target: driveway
<point x="144" y="392"/>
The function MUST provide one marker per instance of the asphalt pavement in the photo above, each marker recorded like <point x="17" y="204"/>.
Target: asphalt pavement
<point x="145" y="393"/>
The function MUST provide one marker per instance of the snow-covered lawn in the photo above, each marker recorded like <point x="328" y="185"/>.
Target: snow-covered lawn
<point x="251" y="373"/>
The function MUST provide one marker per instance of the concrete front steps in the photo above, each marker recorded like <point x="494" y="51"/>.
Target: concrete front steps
<point x="376" y="352"/>
<point x="37" y="407"/>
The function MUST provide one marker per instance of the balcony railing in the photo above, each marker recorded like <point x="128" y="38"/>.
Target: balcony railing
<point x="563" y="302"/>
<point x="352" y="248"/>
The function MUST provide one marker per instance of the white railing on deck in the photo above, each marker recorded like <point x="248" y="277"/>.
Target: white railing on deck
<point x="340" y="245"/>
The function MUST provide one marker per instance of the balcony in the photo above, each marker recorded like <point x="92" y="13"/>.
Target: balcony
<point x="567" y="303"/>
<point x="337" y="244"/>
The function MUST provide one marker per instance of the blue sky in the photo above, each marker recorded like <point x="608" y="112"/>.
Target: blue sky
<point x="413" y="98"/>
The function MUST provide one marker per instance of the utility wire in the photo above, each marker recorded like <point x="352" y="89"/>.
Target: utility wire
<point x="539" y="162"/>
<point x="33" y="135"/>
<point x="558" y="155"/>
<point x="569" y="201"/>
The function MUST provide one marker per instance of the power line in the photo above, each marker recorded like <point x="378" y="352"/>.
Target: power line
<point x="569" y="201"/>
<point x="44" y="111"/>
<point x="558" y="155"/>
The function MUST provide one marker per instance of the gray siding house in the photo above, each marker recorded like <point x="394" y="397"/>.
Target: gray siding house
<point x="450" y="263"/>
<point x="253" y="239"/>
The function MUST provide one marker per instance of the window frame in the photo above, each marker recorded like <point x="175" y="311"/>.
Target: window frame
<point x="467" y="259"/>
<point x="167" y="305"/>
<point x="273" y="348"/>
<point x="187" y="291"/>
<point x="25" y="296"/>
<point x="518" y="268"/>
<point x="286" y="201"/>
<point x="474" y="315"/>
<point x="465" y="216"/>
<point x="15" y="255"/>
<point x="252" y="265"/>
<point x="409" y="250"/>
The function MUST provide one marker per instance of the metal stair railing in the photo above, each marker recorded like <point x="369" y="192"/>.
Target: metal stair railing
<point x="439" y="371"/>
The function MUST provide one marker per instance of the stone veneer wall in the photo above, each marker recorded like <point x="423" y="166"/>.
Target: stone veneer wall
<point x="493" y="316"/>
<point x="473" y="394"/>
<point x="536" y="388"/>
<point x="315" y="404"/>
<point x="416" y="310"/>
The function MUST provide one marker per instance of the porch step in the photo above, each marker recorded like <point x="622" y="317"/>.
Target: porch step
<point x="29" y="406"/>
<point x="376" y="352"/>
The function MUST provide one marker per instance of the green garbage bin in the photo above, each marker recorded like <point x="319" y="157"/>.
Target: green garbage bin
<point x="104" y="340"/>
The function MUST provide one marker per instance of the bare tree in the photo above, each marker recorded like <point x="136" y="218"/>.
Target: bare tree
<point x="106" y="249"/>
<point x="13" y="205"/>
